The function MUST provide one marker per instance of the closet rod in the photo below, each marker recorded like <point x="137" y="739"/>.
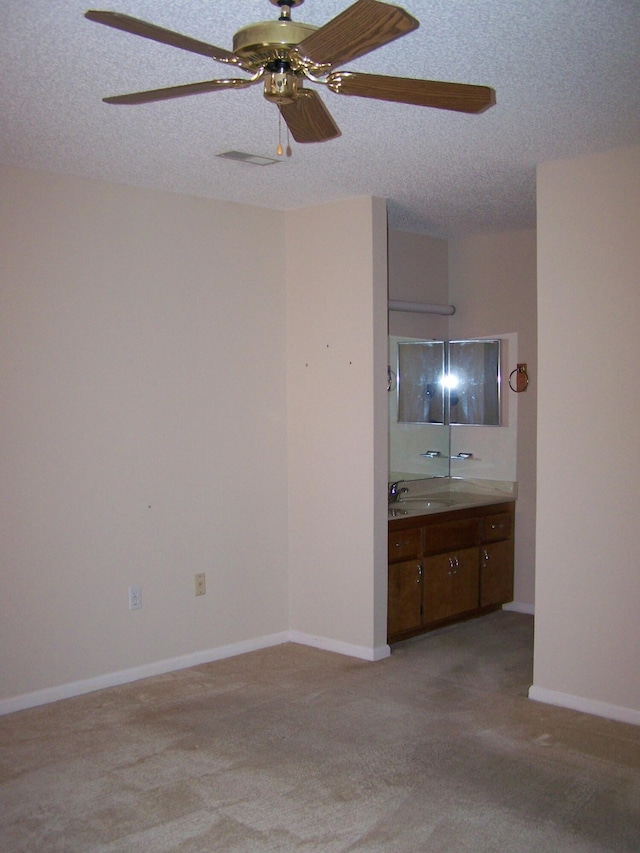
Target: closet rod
<point x="420" y="307"/>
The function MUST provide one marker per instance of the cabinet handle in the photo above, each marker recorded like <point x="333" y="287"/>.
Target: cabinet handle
<point x="420" y="571"/>
<point x="486" y="556"/>
<point x="497" y="526"/>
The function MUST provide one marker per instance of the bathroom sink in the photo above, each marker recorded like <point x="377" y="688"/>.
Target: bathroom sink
<point x="416" y="505"/>
<point x="425" y="503"/>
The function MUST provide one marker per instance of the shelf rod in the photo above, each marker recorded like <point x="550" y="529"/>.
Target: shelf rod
<point x="420" y="307"/>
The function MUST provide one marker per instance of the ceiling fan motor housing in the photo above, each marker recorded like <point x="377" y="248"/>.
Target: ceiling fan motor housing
<point x="269" y="41"/>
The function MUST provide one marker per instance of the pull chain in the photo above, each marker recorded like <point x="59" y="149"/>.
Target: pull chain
<point x="279" y="148"/>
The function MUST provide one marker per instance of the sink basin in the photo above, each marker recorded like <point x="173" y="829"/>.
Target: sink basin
<point x="411" y="506"/>
<point x="425" y="503"/>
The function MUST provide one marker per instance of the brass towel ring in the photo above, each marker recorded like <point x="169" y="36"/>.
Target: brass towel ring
<point x="522" y="378"/>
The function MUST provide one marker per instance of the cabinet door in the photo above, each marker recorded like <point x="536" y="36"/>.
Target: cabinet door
<point x="496" y="572"/>
<point x="451" y="584"/>
<point x="404" y="603"/>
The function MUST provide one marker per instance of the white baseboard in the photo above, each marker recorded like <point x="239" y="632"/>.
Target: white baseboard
<point x="328" y="645"/>
<point x="587" y="706"/>
<point x="520" y="607"/>
<point x="125" y="676"/>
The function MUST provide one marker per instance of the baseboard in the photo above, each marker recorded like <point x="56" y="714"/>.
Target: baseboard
<point x="328" y="645"/>
<point x="587" y="706"/>
<point x="520" y="607"/>
<point x="125" y="676"/>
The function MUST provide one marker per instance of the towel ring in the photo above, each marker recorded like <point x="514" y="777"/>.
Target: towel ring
<point x="522" y="378"/>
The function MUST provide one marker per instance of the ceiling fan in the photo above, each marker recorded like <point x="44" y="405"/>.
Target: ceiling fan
<point x="283" y="54"/>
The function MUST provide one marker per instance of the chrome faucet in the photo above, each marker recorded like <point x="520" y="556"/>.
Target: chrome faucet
<point x="395" y="492"/>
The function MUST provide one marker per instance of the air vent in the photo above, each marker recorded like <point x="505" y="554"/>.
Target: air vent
<point x="253" y="159"/>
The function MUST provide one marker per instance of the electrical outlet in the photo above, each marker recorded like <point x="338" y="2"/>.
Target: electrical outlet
<point x="201" y="584"/>
<point x="135" y="597"/>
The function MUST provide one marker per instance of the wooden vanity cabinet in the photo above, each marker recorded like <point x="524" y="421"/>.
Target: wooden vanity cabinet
<point x="450" y="584"/>
<point x="448" y="566"/>
<point x="404" y="608"/>
<point x="496" y="559"/>
<point x="404" y="600"/>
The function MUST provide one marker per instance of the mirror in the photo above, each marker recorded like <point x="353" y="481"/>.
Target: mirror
<point x="418" y="435"/>
<point x="473" y="381"/>
<point x="455" y="382"/>
<point x="437" y="385"/>
<point x="421" y="370"/>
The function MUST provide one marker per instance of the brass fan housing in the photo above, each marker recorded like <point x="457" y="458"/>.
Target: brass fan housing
<point x="267" y="41"/>
<point x="281" y="87"/>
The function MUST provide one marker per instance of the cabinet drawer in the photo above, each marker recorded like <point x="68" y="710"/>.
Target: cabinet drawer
<point x="404" y="544"/>
<point x="451" y="535"/>
<point x="498" y="526"/>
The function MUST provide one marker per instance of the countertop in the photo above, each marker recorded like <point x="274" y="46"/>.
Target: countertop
<point x="444" y="494"/>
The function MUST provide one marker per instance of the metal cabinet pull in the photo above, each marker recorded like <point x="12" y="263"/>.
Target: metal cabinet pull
<point x="420" y="572"/>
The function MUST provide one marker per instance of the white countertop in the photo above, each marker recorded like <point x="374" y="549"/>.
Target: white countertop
<point x="443" y="494"/>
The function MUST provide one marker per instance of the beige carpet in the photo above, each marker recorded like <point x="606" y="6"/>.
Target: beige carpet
<point x="292" y="749"/>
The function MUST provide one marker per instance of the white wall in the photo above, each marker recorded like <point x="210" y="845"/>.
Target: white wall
<point x="337" y="440"/>
<point x="587" y="647"/>
<point x="493" y="286"/>
<point x="142" y="428"/>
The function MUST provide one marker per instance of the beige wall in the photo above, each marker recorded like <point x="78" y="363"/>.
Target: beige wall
<point x="142" y="428"/>
<point x="336" y="358"/>
<point x="588" y="538"/>
<point x="144" y="432"/>
<point x="418" y="272"/>
<point x="493" y="286"/>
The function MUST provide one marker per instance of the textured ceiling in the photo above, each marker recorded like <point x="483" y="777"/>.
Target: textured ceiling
<point x="566" y="74"/>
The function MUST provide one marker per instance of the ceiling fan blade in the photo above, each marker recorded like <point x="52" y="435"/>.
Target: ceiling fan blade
<point x="362" y="27"/>
<point x="150" y="31"/>
<point x="308" y="119"/>
<point x="462" y="97"/>
<point x="178" y="91"/>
